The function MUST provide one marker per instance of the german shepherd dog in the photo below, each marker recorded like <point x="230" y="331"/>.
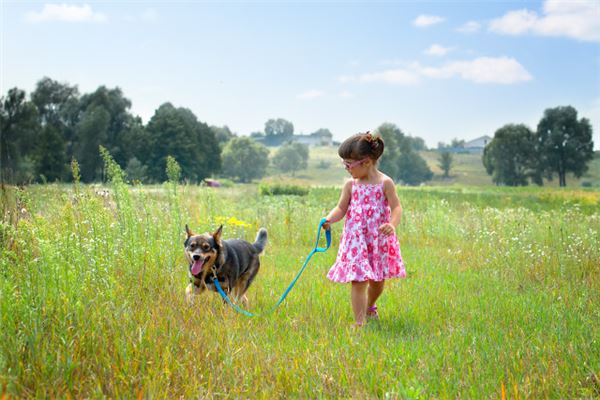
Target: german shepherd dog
<point x="235" y="263"/>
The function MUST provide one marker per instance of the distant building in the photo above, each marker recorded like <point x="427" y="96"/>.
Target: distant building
<point x="314" y="139"/>
<point x="474" y="146"/>
<point x="477" y="145"/>
<point x="319" y="138"/>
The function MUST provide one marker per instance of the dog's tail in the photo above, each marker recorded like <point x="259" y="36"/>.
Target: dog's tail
<point x="261" y="240"/>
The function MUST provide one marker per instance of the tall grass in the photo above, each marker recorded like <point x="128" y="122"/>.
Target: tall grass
<point x="501" y="297"/>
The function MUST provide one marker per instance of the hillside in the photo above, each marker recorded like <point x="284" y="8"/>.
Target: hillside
<point x="325" y="169"/>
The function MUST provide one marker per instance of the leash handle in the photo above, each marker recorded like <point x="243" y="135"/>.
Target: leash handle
<point x="327" y="237"/>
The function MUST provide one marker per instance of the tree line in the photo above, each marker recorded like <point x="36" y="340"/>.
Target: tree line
<point x="562" y="143"/>
<point x="42" y="133"/>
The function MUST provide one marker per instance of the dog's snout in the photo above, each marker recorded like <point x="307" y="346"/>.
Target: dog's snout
<point x="196" y="257"/>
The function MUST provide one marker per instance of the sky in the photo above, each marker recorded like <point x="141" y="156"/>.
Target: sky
<point x="438" y="70"/>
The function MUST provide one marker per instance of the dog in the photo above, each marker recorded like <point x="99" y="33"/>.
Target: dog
<point x="235" y="263"/>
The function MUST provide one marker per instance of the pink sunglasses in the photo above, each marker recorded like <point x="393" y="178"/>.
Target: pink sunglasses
<point x="350" y="165"/>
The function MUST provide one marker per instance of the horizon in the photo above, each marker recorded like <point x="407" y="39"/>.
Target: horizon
<point x="436" y="70"/>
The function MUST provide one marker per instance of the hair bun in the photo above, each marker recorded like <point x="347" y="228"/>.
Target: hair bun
<point x="373" y="140"/>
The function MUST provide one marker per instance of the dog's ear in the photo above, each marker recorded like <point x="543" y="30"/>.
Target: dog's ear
<point x="188" y="231"/>
<point x="217" y="235"/>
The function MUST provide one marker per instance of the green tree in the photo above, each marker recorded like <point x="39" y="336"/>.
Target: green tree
<point x="121" y="124"/>
<point x="51" y="163"/>
<point x="278" y="131"/>
<point x="18" y="125"/>
<point x="222" y="134"/>
<point x="244" y="159"/>
<point x="136" y="171"/>
<point x="392" y="137"/>
<point x="291" y="157"/>
<point x="92" y="132"/>
<point x="58" y="111"/>
<point x="446" y="160"/>
<point x="413" y="169"/>
<point x="564" y="143"/>
<point x="400" y="160"/>
<point x="279" y="127"/>
<point x="511" y="157"/>
<point x="417" y="143"/>
<point x="177" y="132"/>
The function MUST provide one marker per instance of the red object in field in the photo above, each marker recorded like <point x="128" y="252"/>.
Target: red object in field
<point x="212" y="183"/>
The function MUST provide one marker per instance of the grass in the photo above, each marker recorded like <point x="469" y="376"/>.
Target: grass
<point x="501" y="298"/>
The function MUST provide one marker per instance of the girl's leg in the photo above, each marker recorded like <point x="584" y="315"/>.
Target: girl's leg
<point x="375" y="290"/>
<point x="359" y="301"/>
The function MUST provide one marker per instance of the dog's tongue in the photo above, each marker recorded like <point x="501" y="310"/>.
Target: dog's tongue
<point x="197" y="266"/>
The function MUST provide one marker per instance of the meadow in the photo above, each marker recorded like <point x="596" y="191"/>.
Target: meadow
<point x="501" y="298"/>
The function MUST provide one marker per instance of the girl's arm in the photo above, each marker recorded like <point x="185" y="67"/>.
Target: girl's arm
<point x="394" y="202"/>
<point x="339" y="211"/>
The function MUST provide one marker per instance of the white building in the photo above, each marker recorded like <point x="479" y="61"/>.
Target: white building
<point x="477" y="145"/>
<point x="314" y="139"/>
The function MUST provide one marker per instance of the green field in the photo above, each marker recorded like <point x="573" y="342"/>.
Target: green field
<point x="501" y="298"/>
<point x="325" y="169"/>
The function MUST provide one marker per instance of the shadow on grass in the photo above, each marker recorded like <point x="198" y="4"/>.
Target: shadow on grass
<point x="398" y="325"/>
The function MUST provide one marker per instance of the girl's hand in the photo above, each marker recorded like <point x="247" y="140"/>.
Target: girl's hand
<point x="327" y="225"/>
<point x="387" y="229"/>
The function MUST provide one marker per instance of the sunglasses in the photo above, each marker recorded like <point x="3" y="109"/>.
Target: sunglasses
<point x="350" y="165"/>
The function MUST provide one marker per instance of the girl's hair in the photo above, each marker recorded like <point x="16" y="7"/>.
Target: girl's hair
<point x="360" y="146"/>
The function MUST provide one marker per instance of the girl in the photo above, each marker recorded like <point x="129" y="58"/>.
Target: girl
<point x="369" y="252"/>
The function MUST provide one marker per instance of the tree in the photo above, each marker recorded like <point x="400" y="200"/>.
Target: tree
<point x="291" y="157"/>
<point x="392" y="137"/>
<point x="92" y="132"/>
<point x="564" y="143"/>
<point x="399" y="160"/>
<point x="511" y="157"/>
<point x="278" y="131"/>
<point x="244" y="159"/>
<point x="117" y="134"/>
<point x="18" y="125"/>
<point x="177" y="132"/>
<point x="446" y="159"/>
<point x="222" y="134"/>
<point x="136" y="171"/>
<point x="50" y="156"/>
<point x="279" y="127"/>
<point x="413" y="169"/>
<point x="417" y="143"/>
<point x="58" y="108"/>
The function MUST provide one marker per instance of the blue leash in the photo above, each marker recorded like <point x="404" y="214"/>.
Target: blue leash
<point x="317" y="249"/>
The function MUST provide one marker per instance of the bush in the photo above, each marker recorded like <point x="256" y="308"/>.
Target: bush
<point x="278" y="189"/>
<point x="323" y="164"/>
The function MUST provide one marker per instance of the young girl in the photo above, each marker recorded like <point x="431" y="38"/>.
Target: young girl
<point x="369" y="252"/>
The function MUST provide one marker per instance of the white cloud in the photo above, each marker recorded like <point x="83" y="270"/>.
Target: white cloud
<point x="394" y="76"/>
<point x="423" y="21"/>
<point x="346" y="94"/>
<point x="470" y="27"/>
<point x="575" y="19"/>
<point x="501" y="70"/>
<point x="311" y="94"/>
<point x="498" y="70"/>
<point x="437" y="50"/>
<point x="65" y="13"/>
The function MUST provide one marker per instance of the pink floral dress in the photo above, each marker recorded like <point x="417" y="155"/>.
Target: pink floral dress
<point x="364" y="253"/>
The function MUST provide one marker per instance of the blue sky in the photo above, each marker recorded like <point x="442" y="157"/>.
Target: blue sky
<point x="436" y="69"/>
